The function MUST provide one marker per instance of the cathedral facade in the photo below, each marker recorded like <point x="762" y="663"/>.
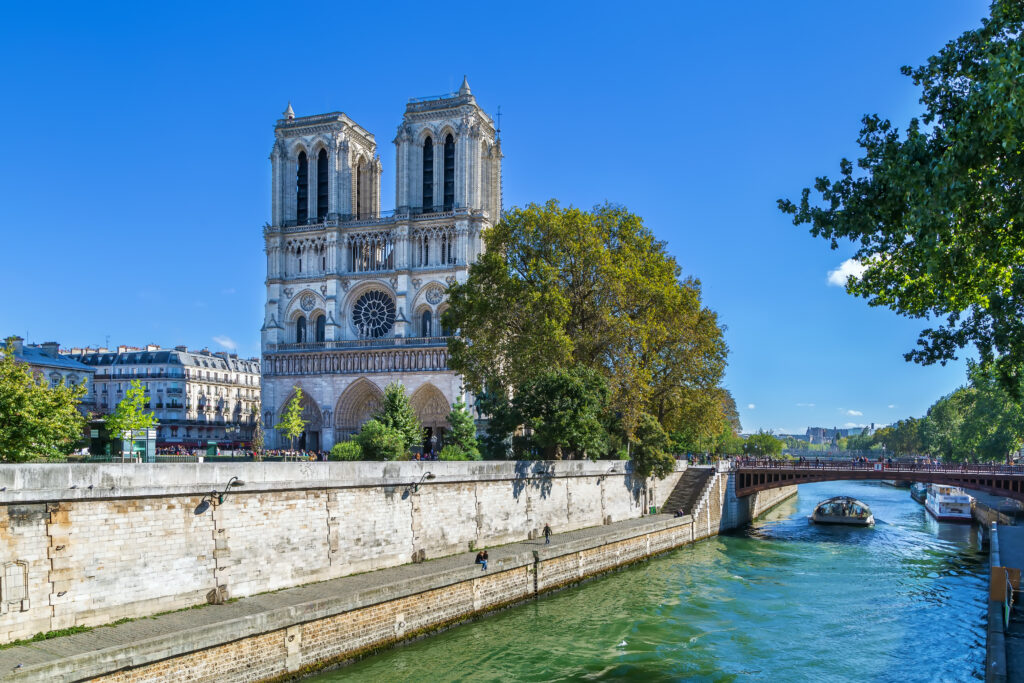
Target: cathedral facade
<point x="354" y="295"/>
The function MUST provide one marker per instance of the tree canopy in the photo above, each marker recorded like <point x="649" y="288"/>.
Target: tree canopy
<point x="462" y="436"/>
<point x="937" y="212"/>
<point x="563" y="297"/>
<point x="291" y="423"/>
<point x="130" y="413"/>
<point x="763" y="444"/>
<point x="396" y="413"/>
<point x="36" y="421"/>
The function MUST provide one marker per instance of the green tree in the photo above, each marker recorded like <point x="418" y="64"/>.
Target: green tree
<point x="729" y="444"/>
<point x="994" y="424"/>
<point x="558" y="288"/>
<point x="936" y="213"/>
<point x="564" y="409"/>
<point x="763" y="444"/>
<point x="650" y="449"/>
<point x="130" y="414"/>
<point x="463" y="432"/>
<point x="942" y="431"/>
<point x="904" y="437"/>
<point x="36" y="420"/>
<point x="379" y="441"/>
<point x="346" y="450"/>
<point x="291" y="423"/>
<point x="396" y="413"/>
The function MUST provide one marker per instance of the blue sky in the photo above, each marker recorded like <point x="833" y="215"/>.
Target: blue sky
<point x="134" y="179"/>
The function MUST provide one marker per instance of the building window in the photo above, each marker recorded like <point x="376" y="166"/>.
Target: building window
<point x="321" y="185"/>
<point x="449" y="173"/>
<point x="426" y="324"/>
<point x="300" y="329"/>
<point x="428" y="174"/>
<point x="302" y="190"/>
<point x="321" y="325"/>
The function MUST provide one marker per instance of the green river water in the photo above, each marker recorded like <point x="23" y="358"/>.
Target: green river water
<point x="781" y="600"/>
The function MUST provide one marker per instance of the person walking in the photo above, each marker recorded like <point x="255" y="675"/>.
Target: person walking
<point x="547" y="534"/>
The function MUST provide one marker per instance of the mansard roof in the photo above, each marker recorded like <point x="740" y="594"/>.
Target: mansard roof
<point x="37" y="356"/>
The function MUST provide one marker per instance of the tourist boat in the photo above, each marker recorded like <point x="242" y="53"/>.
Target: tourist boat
<point x="919" y="492"/>
<point x="842" y="510"/>
<point x="948" y="503"/>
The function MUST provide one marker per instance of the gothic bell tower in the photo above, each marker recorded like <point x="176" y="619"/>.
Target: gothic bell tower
<point x="323" y="167"/>
<point x="448" y="156"/>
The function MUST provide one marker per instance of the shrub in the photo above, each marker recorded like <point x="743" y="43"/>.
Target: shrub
<point x="453" y="452"/>
<point x="380" y="442"/>
<point x="346" y="450"/>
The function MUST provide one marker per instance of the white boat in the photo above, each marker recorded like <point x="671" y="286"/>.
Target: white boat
<point x="948" y="503"/>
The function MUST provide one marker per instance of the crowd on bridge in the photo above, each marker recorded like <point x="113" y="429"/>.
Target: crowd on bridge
<point x="879" y="464"/>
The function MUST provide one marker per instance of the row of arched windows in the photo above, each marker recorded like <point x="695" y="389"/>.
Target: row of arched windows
<point x="302" y="187"/>
<point x="314" y="330"/>
<point x="448" y="174"/>
<point x="427" y="326"/>
<point x="318" y="328"/>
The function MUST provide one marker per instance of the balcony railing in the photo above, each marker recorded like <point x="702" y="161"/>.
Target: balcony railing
<point x="334" y="220"/>
<point x="355" y="344"/>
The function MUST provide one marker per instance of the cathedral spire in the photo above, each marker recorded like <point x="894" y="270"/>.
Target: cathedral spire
<point x="464" y="88"/>
<point x="289" y="113"/>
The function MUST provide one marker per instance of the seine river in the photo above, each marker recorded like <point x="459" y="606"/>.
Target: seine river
<point x="782" y="600"/>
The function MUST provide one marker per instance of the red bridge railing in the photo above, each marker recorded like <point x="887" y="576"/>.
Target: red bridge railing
<point x="847" y="466"/>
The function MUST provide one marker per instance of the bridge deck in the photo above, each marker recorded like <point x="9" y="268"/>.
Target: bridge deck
<point x="1000" y="480"/>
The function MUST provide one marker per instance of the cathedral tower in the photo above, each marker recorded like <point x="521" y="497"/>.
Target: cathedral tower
<point x="354" y="296"/>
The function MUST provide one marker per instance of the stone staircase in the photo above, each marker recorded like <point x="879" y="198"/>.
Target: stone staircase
<point x="688" y="490"/>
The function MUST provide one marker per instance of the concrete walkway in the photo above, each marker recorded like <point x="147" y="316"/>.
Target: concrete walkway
<point x="189" y="625"/>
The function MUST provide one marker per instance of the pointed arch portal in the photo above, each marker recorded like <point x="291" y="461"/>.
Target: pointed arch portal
<point x="310" y="439"/>
<point x="356" y="405"/>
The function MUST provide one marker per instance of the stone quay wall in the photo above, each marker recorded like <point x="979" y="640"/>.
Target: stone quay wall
<point x="300" y="647"/>
<point x="90" y="544"/>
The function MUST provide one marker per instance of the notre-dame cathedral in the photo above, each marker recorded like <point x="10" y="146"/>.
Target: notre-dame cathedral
<point x="354" y="295"/>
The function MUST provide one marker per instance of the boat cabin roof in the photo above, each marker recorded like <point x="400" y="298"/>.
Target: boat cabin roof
<point x="843" y="499"/>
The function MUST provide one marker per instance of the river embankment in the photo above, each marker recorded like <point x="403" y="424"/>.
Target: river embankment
<point x="777" y="600"/>
<point x="290" y="631"/>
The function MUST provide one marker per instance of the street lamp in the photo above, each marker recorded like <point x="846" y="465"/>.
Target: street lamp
<point x="413" y="488"/>
<point x="204" y="504"/>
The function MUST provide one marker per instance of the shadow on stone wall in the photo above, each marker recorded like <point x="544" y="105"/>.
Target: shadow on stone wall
<point x="536" y="475"/>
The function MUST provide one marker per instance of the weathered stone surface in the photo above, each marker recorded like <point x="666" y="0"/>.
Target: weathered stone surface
<point x="104" y="542"/>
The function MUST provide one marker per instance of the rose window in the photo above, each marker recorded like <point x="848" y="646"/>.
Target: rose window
<point x="374" y="314"/>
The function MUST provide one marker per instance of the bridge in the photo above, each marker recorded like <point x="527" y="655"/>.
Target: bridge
<point x="1006" y="481"/>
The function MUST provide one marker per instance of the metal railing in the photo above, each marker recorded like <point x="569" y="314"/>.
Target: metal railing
<point x="895" y="466"/>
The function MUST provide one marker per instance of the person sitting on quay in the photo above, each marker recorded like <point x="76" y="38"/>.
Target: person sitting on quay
<point x="481" y="559"/>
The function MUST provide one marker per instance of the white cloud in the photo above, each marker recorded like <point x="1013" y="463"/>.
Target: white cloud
<point x="854" y="413"/>
<point x="226" y="342"/>
<point x="750" y="406"/>
<point x="892" y="405"/>
<point x="851" y="267"/>
<point x="229" y="290"/>
<point x="804" y="405"/>
<point x="848" y="425"/>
